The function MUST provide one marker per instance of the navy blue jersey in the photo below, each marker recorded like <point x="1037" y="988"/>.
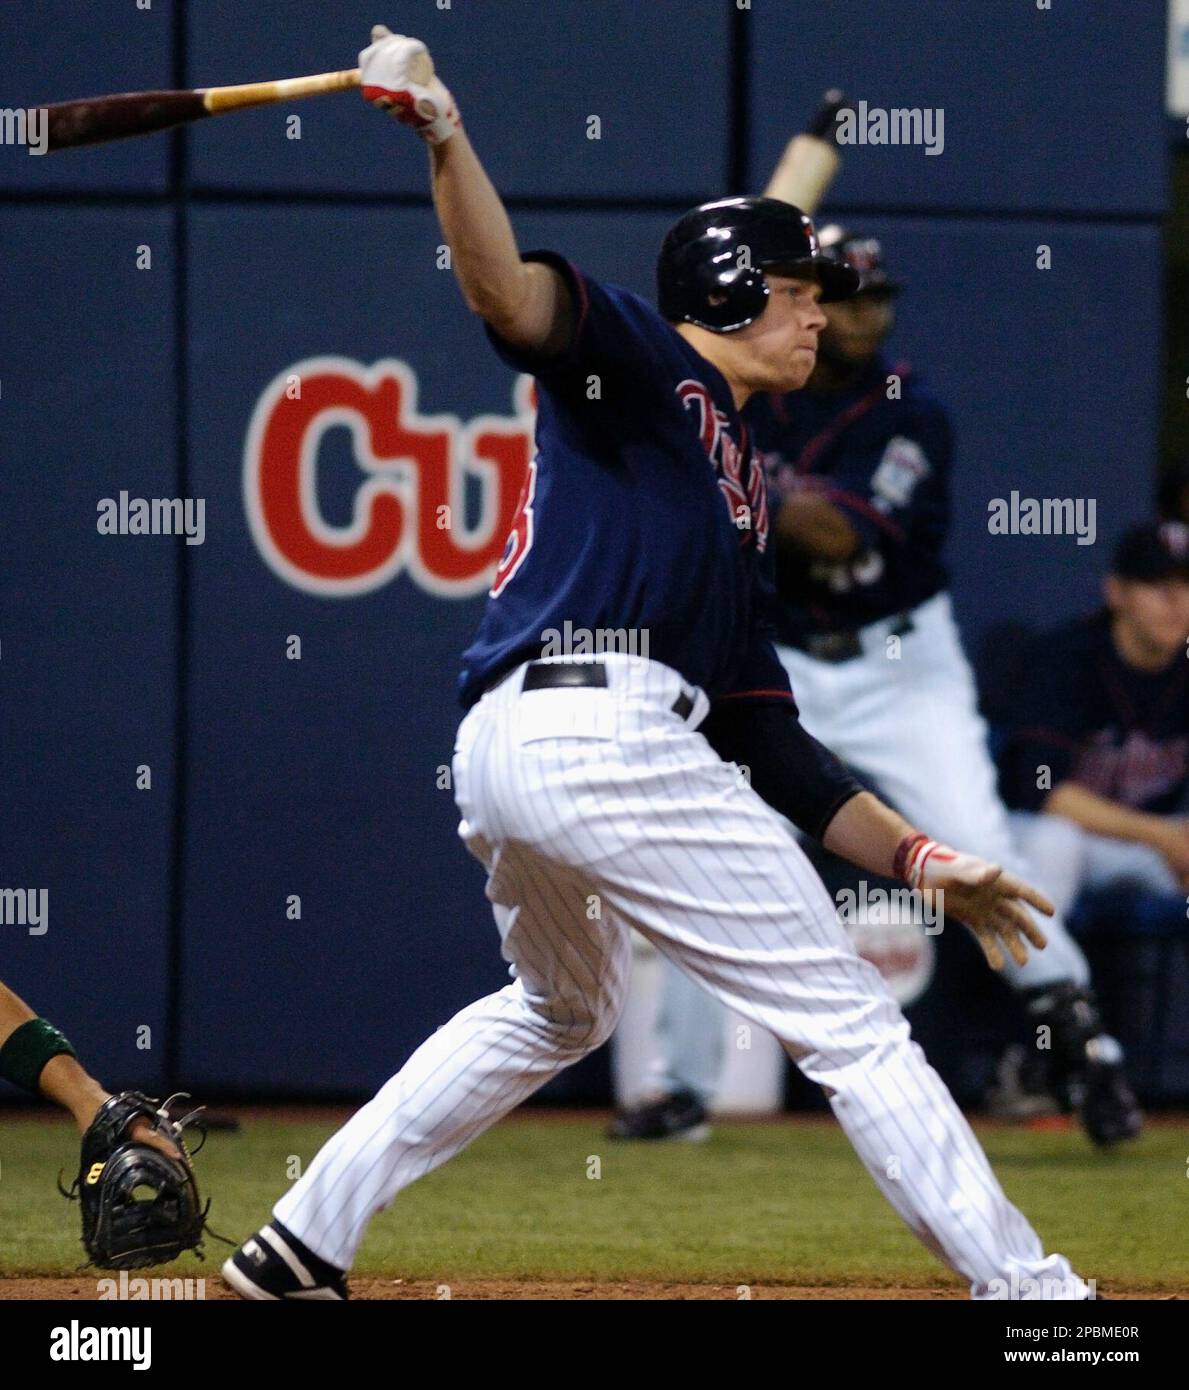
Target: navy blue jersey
<point x="643" y="513"/>
<point x="886" y="465"/>
<point x="1082" y="712"/>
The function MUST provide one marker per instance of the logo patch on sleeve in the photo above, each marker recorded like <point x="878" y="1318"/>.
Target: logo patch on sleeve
<point x="902" y="467"/>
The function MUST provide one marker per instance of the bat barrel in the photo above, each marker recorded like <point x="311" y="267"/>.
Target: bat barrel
<point x="93" y="119"/>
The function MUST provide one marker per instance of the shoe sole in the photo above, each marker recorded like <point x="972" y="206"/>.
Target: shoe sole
<point x="696" y="1134"/>
<point x="1108" y="1141"/>
<point x="248" y="1288"/>
<point x="245" y="1287"/>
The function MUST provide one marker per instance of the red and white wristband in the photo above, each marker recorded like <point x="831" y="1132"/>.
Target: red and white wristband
<point x="913" y="854"/>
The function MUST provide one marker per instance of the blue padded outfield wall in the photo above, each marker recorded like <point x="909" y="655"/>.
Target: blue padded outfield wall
<point x="275" y="260"/>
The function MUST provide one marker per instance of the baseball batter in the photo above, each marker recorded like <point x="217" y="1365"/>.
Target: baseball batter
<point x="587" y="787"/>
<point x="860" y="471"/>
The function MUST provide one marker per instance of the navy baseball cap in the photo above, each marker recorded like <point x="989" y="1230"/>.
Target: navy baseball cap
<point x="1153" y="552"/>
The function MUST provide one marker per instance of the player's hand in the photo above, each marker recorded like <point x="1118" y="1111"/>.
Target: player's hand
<point x="990" y="902"/>
<point x="1173" y="844"/>
<point x="396" y="74"/>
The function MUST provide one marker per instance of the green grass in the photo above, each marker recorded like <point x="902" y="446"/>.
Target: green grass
<point x="759" y="1203"/>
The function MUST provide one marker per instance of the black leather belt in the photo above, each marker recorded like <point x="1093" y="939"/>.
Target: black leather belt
<point x="836" y="647"/>
<point x="562" y="675"/>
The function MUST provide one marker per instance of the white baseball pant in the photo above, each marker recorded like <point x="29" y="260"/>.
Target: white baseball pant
<point x="595" y="811"/>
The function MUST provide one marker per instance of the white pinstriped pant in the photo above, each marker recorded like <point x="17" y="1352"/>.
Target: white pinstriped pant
<point x="599" y="810"/>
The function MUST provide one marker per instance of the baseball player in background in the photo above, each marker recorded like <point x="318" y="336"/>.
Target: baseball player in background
<point x="136" y="1189"/>
<point x="590" y="789"/>
<point x="859" y="465"/>
<point x="1095" y="763"/>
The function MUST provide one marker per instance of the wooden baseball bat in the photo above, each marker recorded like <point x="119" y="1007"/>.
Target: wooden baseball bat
<point x="811" y="158"/>
<point x="95" y="119"/>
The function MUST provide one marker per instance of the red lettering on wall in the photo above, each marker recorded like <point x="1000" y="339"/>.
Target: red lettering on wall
<point x="410" y="512"/>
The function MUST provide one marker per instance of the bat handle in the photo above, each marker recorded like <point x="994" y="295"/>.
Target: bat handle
<point x="217" y="99"/>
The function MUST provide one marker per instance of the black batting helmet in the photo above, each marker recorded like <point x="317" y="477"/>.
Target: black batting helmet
<point x="864" y="255"/>
<point x="711" y="267"/>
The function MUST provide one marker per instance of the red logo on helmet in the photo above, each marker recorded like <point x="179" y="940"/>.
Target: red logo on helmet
<point x="411" y="512"/>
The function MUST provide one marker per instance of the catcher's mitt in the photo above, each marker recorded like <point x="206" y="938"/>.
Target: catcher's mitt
<point x="139" y="1206"/>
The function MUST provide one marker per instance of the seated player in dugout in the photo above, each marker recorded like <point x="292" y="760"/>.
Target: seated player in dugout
<point x="1095" y="758"/>
<point x="860" y="470"/>
<point x="608" y="783"/>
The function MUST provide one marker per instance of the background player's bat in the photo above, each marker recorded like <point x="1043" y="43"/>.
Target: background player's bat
<point x="811" y="159"/>
<point x="94" y="119"/>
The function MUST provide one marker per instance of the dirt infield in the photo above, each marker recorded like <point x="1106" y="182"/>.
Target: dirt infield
<point x="80" y="1290"/>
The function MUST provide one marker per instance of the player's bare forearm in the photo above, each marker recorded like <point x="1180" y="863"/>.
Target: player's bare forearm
<point x="814" y="525"/>
<point x="1102" y="816"/>
<point x="13" y="1012"/>
<point x="868" y="833"/>
<point x="527" y="305"/>
<point x="62" y="1079"/>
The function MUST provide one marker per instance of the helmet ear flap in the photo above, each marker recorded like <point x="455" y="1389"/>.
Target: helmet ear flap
<point x="731" y="298"/>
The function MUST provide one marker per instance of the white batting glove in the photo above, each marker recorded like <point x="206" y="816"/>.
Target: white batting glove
<point x="989" y="901"/>
<point x="397" y="76"/>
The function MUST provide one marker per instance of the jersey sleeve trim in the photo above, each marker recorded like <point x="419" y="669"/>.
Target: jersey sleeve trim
<point x="575" y="282"/>
<point x="756" y="695"/>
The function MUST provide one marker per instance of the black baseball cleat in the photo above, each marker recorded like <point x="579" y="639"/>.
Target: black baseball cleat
<point x="1108" y="1111"/>
<point x="681" y="1116"/>
<point x="1022" y="1090"/>
<point x="274" y="1265"/>
<point x="1084" y="1064"/>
